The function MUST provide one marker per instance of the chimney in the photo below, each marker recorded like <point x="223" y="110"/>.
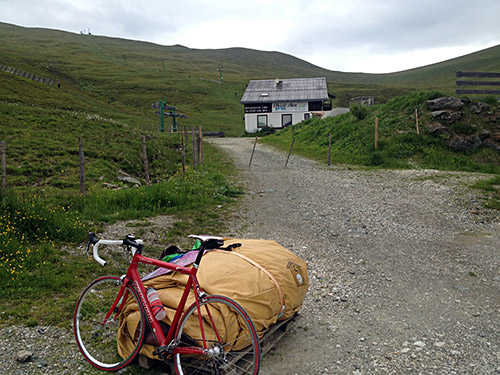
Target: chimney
<point x="279" y="83"/>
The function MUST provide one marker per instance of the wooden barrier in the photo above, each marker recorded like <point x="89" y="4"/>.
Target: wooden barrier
<point x="2" y="151"/>
<point x="145" y="160"/>
<point x="28" y="75"/>
<point x="477" y="83"/>
<point x="82" y="166"/>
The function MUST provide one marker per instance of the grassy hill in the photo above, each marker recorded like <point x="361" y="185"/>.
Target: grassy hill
<point x="124" y="77"/>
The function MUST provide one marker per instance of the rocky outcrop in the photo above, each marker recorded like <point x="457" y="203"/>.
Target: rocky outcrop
<point x="465" y="143"/>
<point x="129" y="180"/>
<point x="492" y="145"/>
<point x="438" y="129"/>
<point x="479" y="107"/>
<point x="447" y="116"/>
<point x="445" y="111"/>
<point x="447" y="102"/>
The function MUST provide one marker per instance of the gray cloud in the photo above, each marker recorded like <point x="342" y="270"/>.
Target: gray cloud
<point x="402" y="26"/>
<point x="333" y="31"/>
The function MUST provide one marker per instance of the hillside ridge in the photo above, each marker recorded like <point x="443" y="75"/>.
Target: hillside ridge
<point x="461" y="63"/>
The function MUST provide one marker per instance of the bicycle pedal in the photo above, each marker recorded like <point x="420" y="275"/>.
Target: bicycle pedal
<point x="161" y="350"/>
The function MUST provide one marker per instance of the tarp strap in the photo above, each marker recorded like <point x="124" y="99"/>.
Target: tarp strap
<point x="254" y="263"/>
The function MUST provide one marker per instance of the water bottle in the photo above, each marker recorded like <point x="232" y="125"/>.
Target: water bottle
<point x="156" y="304"/>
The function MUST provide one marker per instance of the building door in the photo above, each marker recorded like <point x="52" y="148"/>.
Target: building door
<point x="286" y="120"/>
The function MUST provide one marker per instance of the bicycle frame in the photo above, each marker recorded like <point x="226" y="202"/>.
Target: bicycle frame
<point x="132" y="276"/>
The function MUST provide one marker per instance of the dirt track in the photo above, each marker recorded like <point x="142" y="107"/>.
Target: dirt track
<point x="403" y="265"/>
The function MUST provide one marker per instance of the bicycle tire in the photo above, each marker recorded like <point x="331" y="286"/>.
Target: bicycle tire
<point x="97" y="342"/>
<point x="235" y="351"/>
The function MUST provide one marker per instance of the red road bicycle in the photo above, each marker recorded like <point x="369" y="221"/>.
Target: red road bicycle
<point x="100" y="310"/>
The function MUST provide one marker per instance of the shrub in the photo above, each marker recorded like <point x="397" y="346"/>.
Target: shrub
<point x="462" y="128"/>
<point x="266" y="130"/>
<point x="359" y="112"/>
<point x="491" y="100"/>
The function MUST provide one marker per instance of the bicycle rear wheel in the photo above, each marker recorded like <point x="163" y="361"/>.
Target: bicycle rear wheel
<point x="232" y="344"/>
<point x="97" y="337"/>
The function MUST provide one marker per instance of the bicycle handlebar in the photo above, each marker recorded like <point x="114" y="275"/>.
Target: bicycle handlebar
<point x="96" y="242"/>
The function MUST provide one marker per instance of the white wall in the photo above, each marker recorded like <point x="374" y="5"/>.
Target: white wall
<point x="274" y="119"/>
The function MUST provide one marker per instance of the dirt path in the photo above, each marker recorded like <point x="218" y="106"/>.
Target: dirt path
<point x="404" y="266"/>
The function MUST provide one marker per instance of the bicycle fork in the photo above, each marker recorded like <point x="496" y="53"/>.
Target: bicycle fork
<point x="119" y="303"/>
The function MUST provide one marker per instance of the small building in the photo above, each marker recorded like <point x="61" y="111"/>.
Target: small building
<point x="278" y="103"/>
<point x="364" y="101"/>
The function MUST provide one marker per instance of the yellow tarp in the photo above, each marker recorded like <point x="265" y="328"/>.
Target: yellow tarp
<point x="266" y="279"/>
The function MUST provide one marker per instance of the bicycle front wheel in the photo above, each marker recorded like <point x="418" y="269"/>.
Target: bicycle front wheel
<point x="231" y="341"/>
<point x="104" y="338"/>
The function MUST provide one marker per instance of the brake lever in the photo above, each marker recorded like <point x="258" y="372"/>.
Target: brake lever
<point x="88" y="248"/>
<point x="93" y="239"/>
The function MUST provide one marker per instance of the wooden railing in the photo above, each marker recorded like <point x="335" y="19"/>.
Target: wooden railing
<point x="28" y="75"/>
<point x="474" y="84"/>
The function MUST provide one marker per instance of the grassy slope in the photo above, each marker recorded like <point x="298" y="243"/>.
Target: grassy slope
<point x="399" y="145"/>
<point x="125" y="77"/>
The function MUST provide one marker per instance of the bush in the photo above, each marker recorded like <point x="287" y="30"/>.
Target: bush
<point x="462" y="128"/>
<point x="491" y="100"/>
<point x="359" y="111"/>
<point x="267" y="130"/>
<point x="376" y="159"/>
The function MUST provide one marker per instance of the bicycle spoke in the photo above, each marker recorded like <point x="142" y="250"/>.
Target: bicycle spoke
<point x="97" y="337"/>
<point x="231" y="346"/>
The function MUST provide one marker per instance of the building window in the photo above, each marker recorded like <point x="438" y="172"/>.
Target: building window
<point x="315" y="106"/>
<point x="262" y="121"/>
<point x="286" y="120"/>
<point x="307" y="116"/>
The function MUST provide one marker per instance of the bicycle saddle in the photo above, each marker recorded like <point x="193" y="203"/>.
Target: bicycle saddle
<point x="204" y="238"/>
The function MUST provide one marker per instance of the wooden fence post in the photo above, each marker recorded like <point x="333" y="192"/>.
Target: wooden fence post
<point x="253" y="150"/>
<point x="200" y="156"/>
<point x="2" y="150"/>
<point x="145" y="160"/>
<point x="82" y="166"/>
<point x="416" y="120"/>
<point x="329" y="148"/>
<point x="289" y="152"/>
<point x="376" y="133"/>
<point x="194" y="148"/>
<point x="184" y="152"/>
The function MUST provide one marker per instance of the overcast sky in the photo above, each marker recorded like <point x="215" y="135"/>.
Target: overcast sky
<point x="376" y="36"/>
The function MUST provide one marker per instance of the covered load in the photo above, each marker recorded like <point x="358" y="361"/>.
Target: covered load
<point x="266" y="279"/>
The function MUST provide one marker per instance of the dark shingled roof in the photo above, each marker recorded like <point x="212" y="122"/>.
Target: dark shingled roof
<point x="285" y="90"/>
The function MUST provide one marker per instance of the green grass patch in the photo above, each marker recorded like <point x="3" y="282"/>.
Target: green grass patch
<point x="491" y="188"/>
<point x="36" y="229"/>
<point x="399" y="145"/>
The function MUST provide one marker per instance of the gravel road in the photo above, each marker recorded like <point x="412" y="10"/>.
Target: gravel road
<point x="403" y="266"/>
